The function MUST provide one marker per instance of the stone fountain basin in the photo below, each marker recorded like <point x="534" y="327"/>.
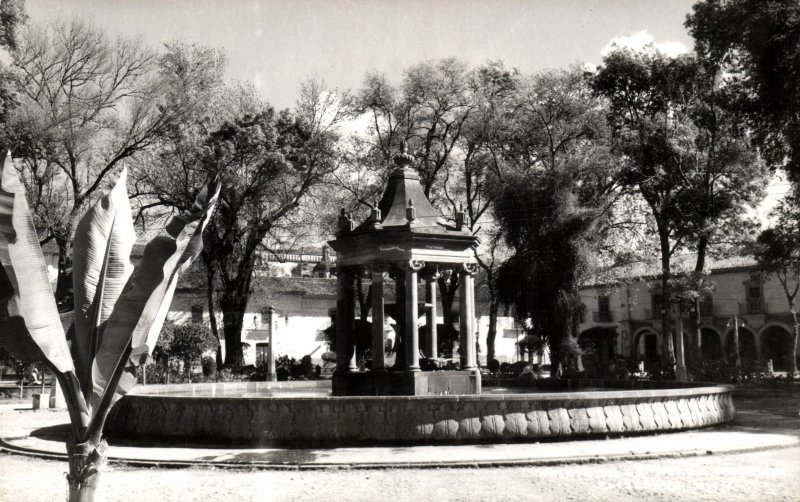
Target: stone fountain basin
<point x="303" y="414"/>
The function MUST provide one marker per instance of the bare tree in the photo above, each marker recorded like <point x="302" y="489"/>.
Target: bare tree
<point x="88" y="104"/>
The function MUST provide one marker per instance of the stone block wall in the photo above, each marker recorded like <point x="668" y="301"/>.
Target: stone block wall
<point x="334" y="421"/>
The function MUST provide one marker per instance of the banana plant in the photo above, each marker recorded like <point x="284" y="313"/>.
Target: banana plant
<point x="118" y="314"/>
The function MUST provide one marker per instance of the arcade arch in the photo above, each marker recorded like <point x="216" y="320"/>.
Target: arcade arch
<point x="599" y="349"/>
<point x="776" y="344"/>
<point x="748" y="348"/>
<point x="710" y="343"/>
<point x="645" y="347"/>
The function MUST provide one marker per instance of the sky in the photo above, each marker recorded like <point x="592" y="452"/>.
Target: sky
<point x="276" y="44"/>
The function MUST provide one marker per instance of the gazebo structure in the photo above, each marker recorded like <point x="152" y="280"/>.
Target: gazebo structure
<point x="405" y="238"/>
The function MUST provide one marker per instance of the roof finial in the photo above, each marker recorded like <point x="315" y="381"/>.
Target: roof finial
<point x="411" y="211"/>
<point x="404" y="158"/>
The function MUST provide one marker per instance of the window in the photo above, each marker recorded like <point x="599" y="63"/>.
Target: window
<point x="754" y="300"/>
<point x="658" y="304"/>
<point x="603" y="313"/>
<point x="197" y="314"/>
<point x="262" y="353"/>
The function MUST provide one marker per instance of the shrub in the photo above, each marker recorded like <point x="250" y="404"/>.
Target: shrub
<point x="724" y="371"/>
<point x="209" y="366"/>
<point x="260" y="373"/>
<point x="282" y="374"/>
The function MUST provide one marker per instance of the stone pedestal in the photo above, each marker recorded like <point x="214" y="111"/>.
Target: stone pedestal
<point x="57" y="396"/>
<point x="41" y="401"/>
<point x="406" y="383"/>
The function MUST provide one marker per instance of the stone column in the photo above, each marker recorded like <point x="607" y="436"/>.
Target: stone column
<point x="467" y="313"/>
<point x="411" y="311"/>
<point x="345" y="321"/>
<point x="378" y="363"/>
<point x="271" y="375"/>
<point x="432" y="347"/>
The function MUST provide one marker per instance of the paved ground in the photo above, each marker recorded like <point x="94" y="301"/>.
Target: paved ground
<point x="766" y="420"/>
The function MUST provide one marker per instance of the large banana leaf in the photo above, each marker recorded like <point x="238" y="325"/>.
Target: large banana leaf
<point x="101" y="267"/>
<point x="14" y="335"/>
<point x="140" y="312"/>
<point x="25" y="270"/>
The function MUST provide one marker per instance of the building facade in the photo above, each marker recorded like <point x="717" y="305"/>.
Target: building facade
<point x="623" y="320"/>
<point x="294" y="312"/>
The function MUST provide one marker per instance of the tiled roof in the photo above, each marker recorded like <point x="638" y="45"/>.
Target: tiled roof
<point x="294" y="286"/>
<point x="683" y="263"/>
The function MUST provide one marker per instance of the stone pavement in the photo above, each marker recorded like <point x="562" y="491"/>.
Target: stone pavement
<point x="751" y="431"/>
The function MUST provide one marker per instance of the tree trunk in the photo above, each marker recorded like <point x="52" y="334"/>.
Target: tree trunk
<point x="364" y="300"/>
<point x="447" y="287"/>
<point x="63" y="294"/>
<point x="667" y="351"/>
<point x="491" y="335"/>
<point x="233" y="311"/>
<point x="212" y="314"/>
<point x="694" y="313"/>
<point x="555" y="361"/>
<point x="793" y="355"/>
<point x="87" y="463"/>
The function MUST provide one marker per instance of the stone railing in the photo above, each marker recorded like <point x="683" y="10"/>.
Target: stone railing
<point x="328" y="421"/>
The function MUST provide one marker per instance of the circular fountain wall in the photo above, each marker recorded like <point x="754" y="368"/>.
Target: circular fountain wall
<point x="299" y="414"/>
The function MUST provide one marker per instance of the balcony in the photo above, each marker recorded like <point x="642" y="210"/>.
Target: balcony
<point x="602" y="316"/>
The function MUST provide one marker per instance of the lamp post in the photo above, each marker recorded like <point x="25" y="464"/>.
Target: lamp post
<point x="680" y="363"/>
<point x="735" y="321"/>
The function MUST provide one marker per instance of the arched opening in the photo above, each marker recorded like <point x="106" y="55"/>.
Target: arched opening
<point x="646" y="349"/>
<point x="598" y="346"/>
<point x="777" y="345"/>
<point x="710" y="344"/>
<point x="747" y="345"/>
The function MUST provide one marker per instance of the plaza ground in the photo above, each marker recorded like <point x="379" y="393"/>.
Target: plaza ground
<point x="769" y="475"/>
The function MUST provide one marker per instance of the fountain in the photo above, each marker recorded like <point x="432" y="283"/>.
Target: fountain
<point x="404" y="237"/>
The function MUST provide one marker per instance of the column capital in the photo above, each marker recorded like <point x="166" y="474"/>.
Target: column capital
<point x="469" y="267"/>
<point x="412" y="265"/>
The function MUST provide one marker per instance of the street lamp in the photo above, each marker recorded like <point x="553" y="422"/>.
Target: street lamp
<point x="736" y="322"/>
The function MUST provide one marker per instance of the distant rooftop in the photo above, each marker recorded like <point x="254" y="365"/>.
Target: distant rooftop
<point x="679" y="264"/>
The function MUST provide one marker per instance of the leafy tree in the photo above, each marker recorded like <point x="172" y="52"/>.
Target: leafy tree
<point x="777" y="252"/>
<point x="548" y="203"/>
<point x="186" y="343"/>
<point x="12" y="16"/>
<point x="447" y="113"/>
<point x="757" y="44"/>
<point x="540" y="215"/>
<point x="269" y="162"/>
<point x="467" y="183"/>
<point x="684" y="152"/>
